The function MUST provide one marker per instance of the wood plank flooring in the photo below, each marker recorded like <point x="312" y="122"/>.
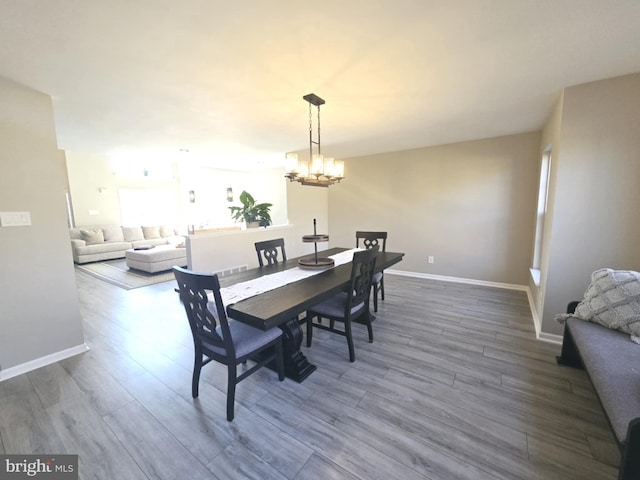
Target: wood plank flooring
<point x="455" y="386"/>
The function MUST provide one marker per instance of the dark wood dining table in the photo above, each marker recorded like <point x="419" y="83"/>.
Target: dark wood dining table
<point x="282" y="306"/>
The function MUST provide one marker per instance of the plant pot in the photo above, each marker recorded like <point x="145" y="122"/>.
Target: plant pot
<point x="253" y="224"/>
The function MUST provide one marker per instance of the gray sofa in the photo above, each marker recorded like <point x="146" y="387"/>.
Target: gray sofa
<point x="107" y="242"/>
<point x="612" y="362"/>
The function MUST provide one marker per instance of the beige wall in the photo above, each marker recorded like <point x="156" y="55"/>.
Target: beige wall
<point x="596" y="198"/>
<point x="469" y="205"/>
<point x="222" y="251"/>
<point x="39" y="310"/>
<point x="95" y="187"/>
<point x="306" y="203"/>
<point x="210" y="185"/>
<point x="216" y="252"/>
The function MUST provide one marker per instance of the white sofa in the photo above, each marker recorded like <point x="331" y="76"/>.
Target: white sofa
<point x="107" y="242"/>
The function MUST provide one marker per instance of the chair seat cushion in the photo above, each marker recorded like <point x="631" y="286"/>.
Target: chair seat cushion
<point x="246" y="339"/>
<point x="334" y="307"/>
<point x="377" y="277"/>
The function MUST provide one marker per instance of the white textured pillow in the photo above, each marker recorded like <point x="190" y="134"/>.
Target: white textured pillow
<point x="92" y="237"/>
<point x="613" y="300"/>
<point x="166" y="232"/>
<point x="113" y="234"/>
<point x="151" y="232"/>
<point x="131" y="234"/>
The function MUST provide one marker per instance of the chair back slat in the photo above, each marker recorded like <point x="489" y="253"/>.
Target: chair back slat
<point x="372" y="239"/>
<point x="193" y="288"/>
<point x="362" y="269"/>
<point x="268" y="250"/>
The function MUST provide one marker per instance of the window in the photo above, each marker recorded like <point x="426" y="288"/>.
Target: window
<point x="543" y="196"/>
<point x="70" y="219"/>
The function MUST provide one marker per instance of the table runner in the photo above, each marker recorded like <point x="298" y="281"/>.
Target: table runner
<point x="243" y="290"/>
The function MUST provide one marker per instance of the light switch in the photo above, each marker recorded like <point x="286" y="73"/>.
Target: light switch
<point x="15" y="219"/>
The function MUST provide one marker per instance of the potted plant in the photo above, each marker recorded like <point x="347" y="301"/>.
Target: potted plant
<point x="254" y="214"/>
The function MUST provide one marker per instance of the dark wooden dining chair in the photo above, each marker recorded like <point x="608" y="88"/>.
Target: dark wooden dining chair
<point x="268" y="250"/>
<point x="368" y="240"/>
<point x="226" y="341"/>
<point x="349" y="306"/>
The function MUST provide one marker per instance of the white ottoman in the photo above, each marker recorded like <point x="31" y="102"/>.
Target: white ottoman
<point x="156" y="259"/>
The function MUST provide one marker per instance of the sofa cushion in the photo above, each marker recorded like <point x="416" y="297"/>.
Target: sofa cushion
<point x="151" y="232"/>
<point x="103" y="248"/>
<point x="167" y="231"/>
<point x="93" y="236"/>
<point x="150" y="241"/>
<point x="612" y="300"/>
<point x="132" y="234"/>
<point x="113" y="234"/>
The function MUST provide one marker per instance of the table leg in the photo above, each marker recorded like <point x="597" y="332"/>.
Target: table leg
<point x="296" y="365"/>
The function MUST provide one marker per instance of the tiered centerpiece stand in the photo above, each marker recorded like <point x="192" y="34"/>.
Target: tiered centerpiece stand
<point x="313" y="262"/>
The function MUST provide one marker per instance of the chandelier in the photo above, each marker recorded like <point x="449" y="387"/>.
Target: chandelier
<point x="318" y="170"/>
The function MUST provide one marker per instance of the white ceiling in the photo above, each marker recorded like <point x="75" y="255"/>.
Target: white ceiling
<point x="225" y="79"/>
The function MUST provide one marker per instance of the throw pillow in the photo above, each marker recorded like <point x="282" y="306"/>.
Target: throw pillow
<point x="131" y="234"/>
<point x="151" y="232"/>
<point x="92" y="237"/>
<point x="612" y="300"/>
<point x="166" y="232"/>
<point x="113" y="234"/>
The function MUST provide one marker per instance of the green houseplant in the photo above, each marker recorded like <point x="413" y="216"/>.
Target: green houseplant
<point x="251" y="212"/>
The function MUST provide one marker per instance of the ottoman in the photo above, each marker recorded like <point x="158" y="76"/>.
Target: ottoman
<point x="156" y="259"/>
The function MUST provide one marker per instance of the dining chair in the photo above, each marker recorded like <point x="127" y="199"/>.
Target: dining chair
<point x="348" y="306"/>
<point x="372" y="239"/>
<point x="268" y="250"/>
<point x="227" y="341"/>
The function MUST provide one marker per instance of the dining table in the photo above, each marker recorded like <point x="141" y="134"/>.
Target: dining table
<point x="281" y="307"/>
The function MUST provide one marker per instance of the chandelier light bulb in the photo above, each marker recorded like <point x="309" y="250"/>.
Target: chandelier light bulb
<point x="291" y="163"/>
<point x="317" y="165"/>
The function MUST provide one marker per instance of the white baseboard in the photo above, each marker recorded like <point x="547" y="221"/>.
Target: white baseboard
<point x="537" y="324"/>
<point x="550" y="337"/>
<point x="26" y="367"/>
<point x="471" y="281"/>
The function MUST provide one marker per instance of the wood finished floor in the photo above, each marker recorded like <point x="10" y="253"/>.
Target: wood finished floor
<point x="455" y="386"/>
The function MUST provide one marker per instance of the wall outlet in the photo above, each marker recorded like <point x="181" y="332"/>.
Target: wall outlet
<point x="430" y="259"/>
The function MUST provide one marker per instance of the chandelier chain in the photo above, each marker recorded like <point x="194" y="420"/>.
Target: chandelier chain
<point x="319" y="152"/>
<point x="311" y="140"/>
<point x="310" y="132"/>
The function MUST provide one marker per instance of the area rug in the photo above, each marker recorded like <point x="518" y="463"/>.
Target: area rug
<point x="117" y="273"/>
